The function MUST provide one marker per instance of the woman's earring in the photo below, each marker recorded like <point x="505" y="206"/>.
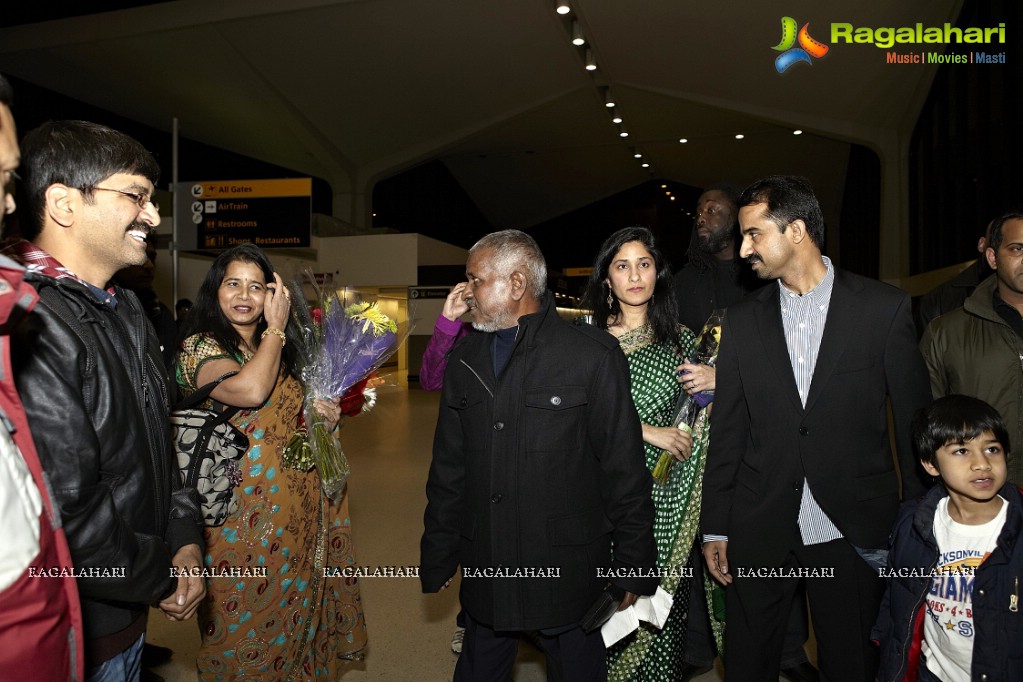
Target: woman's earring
<point x="610" y="300"/>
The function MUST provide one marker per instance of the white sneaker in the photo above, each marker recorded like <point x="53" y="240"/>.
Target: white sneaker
<point x="456" y="640"/>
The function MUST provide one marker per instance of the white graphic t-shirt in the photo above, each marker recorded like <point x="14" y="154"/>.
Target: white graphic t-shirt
<point x="948" y="627"/>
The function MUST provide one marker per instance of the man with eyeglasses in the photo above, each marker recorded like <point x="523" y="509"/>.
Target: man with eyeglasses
<point x="89" y="371"/>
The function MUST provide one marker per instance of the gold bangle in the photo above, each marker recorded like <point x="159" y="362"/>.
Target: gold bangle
<point x="276" y="332"/>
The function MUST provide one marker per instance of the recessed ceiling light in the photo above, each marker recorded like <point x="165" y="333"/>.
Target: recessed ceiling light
<point x="577" y="34"/>
<point x="739" y="136"/>
<point x="637" y="155"/>
<point x="561" y="6"/>
<point x="645" y="165"/>
<point x="683" y="140"/>
<point x="615" y="116"/>
<point x="797" y="132"/>
<point x="591" y="64"/>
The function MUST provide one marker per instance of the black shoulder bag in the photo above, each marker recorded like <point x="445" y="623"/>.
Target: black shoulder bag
<point x="208" y="448"/>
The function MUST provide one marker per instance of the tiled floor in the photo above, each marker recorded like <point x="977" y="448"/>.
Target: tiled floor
<point x="409" y="632"/>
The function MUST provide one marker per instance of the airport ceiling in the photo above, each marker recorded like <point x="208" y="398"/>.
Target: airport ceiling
<point x="355" y="91"/>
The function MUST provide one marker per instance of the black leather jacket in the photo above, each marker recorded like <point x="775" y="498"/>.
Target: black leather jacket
<point x="94" y="389"/>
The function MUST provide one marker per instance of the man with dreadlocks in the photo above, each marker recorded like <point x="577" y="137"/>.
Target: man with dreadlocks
<point x="714" y="277"/>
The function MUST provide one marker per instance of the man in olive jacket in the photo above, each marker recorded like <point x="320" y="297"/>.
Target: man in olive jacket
<point x="975" y="350"/>
<point x="538" y="472"/>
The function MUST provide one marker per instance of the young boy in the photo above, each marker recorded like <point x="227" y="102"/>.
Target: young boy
<point x="951" y="610"/>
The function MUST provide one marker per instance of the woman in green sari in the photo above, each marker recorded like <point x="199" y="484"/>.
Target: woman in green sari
<point x="630" y="293"/>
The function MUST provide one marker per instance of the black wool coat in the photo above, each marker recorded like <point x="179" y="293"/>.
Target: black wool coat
<point x="539" y="471"/>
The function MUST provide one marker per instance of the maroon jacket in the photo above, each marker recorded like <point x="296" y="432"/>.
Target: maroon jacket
<point x="41" y="619"/>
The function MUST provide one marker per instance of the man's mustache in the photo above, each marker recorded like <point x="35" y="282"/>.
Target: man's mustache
<point x="141" y="227"/>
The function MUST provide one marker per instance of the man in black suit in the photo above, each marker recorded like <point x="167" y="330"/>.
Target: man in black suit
<point x="800" y="479"/>
<point x="714" y="278"/>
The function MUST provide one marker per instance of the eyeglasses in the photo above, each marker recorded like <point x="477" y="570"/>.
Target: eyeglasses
<point x="140" y="198"/>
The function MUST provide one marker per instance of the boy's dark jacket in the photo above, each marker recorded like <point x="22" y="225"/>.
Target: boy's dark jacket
<point x="998" y="621"/>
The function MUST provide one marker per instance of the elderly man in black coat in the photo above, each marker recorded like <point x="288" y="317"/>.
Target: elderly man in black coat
<point x="538" y="487"/>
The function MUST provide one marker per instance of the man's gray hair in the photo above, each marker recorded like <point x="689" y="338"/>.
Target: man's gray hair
<point x="516" y="250"/>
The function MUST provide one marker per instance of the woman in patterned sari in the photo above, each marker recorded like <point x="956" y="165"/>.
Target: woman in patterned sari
<point x="630" y="293"/>
<point x="294" y="623"/>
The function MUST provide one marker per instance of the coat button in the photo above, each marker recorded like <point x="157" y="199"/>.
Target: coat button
<point x="496" y="498"/>
<point x="556" y="400"/>
<point x="464" y="402"/>
<point x="803" y="431"/>
<point x="797" y="485"/>
<point x="983" y="677"/>
<point x="498" y="426"/>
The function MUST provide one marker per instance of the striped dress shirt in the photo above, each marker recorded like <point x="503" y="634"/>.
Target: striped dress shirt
<point x="803" y="319"/>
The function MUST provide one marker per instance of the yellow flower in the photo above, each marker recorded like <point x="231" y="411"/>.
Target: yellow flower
<point x="370" y="316"/>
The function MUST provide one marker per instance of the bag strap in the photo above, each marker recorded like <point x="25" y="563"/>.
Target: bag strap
<point x="203" y="393"/>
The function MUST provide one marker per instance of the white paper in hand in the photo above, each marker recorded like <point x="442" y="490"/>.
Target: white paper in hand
<point x="653" y="610"/>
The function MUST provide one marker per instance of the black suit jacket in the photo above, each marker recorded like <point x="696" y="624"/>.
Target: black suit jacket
<point x="764" y="442"/>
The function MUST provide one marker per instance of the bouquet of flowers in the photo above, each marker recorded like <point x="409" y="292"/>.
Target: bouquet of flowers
<point x="340" y="345"/>
<point x="688" y="407"/>
<point x="362" y="397"/>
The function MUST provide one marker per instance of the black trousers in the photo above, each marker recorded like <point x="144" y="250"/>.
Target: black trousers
<point x="843" y="609"/>
<point x="488" y="655"/>
<point x="700" y="645"/>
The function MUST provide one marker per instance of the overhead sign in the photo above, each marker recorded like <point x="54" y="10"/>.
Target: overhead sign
<point x="578" y="272"/>
<point x="428" y="292"/>
<point x="269" y="213"/>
